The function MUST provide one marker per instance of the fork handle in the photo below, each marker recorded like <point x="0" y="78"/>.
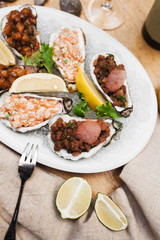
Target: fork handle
<point x="11" y="233"/>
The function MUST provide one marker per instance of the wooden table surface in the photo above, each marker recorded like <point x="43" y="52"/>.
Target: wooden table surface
<point x="129" y="34"/>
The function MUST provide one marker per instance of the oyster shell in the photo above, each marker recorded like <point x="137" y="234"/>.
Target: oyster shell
<point x="69" y="52"/>
<point x="123" y="110"/>
<point x="114" y="128"/>
<point x="5" y="20"/>
<point x="62" y="105"/>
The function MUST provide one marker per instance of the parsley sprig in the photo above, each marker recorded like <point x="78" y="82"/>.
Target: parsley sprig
<point x="82" y="107"/>
<point x="123" y="100"/>
<point x="104" y="110"/>
<point x="42" y="58"/>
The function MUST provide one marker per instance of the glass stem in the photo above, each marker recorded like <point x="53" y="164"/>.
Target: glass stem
<point x="107" y="5"/>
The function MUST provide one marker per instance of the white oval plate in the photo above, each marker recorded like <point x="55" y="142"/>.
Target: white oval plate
<point x="138" y="128"/>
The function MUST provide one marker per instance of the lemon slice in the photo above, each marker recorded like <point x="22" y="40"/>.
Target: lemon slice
<point x="109" y="214"/>
<point x="6" y="56"/>
<point x="39" y="82"/>
<point x="87" y="87"/>
<point x="73" y="198"/>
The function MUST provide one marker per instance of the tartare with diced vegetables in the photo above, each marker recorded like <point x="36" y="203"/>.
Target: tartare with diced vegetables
<point x="24" y="111"/>
<point x="69" y="52"/>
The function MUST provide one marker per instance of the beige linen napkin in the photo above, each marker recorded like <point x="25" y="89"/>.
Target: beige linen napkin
<point x="39" y="219"/>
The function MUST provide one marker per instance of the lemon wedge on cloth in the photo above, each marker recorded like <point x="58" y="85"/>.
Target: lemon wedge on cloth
<point x="109" y="214"/>
<point x="6" y="56"/>
<point x="87" y="87"/>
<point x="73" y="198"/>
<point x="38" y="82"/>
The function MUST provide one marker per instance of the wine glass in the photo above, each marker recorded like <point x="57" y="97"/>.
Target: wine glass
<point x="105" y="14"/>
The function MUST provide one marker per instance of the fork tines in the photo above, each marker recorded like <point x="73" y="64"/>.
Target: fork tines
<point x="29" y="154"/>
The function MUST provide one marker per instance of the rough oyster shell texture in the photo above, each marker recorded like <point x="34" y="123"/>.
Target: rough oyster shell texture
<point x="63" y="152"/>
<point x="124" y="111"/>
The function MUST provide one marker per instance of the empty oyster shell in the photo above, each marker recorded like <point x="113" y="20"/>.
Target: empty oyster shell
<point x="33" y="30"/>
<point x="69" y="52"/>
<point x="113" y="129"/>
<point x="128" y="106"/>
<point x="27" y="112"/>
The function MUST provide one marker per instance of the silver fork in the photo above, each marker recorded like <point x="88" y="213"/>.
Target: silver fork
<point x="26" y="166"/>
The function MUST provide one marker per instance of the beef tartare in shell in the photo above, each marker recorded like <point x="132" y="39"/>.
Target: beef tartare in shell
<point x="110" y="77"/>
<point x="19" y="30"/>
<point x="75" y="138"/>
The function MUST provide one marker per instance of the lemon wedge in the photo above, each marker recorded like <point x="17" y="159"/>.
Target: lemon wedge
<point x="38" y="82"/>
<point x="87" y="87"/>
<point x="6" y="56"/>
<point x="73" y="198"/>
<point x="109" y="214"/>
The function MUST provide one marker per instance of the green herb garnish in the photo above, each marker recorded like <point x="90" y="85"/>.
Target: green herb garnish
<point x="80" y="109"/>
<point x="35" y="60"/>
<point x="81" y="96"/>
<point x="6" y="115"/>
<point x="47" y="56"/>
<point x="66" y="60"/>
<point x="43" y="57"/>
<point x="71" y="125"/>
<point x="106" y="67"/>
<point x="123" y="99"/>
<point x="110" y="55"/>
<point x="106" y="110"/>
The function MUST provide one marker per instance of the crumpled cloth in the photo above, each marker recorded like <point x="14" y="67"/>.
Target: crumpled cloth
<point x="138" y="197"/>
